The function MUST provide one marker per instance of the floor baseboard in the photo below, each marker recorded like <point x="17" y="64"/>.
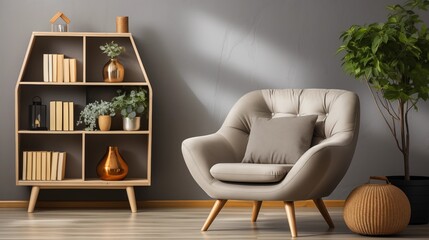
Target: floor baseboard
<point x="159" y="204"/>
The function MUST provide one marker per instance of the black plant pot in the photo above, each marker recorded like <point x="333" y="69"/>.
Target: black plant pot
<point x="417" y="191"/>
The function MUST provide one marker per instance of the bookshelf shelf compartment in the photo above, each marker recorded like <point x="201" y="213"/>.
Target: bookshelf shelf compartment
<point x="84" y="148"/>
<point x="49" y="132"/>
<point x="104" y="84"/>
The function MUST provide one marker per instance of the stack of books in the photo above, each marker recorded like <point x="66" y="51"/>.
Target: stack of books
<point x="61" y="116"/>
<point x="43" y="165"/>
<point x="56" y="68"/>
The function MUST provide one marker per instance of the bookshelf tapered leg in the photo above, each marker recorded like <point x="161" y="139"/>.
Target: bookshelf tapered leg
<point x="132" y="199"/>
<point x="33" y="198"/>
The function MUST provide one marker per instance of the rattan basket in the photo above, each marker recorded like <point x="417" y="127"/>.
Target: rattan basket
<point x="377" y="209"/>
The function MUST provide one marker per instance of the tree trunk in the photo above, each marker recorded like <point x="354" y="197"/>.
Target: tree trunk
<point x="405" y="139"/>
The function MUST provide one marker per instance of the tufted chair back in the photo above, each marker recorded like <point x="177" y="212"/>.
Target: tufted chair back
<point x="337" y="112"/>
<point x="313" y="176"/>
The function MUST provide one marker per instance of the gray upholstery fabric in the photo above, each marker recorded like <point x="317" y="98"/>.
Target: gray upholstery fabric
<point x="316" y="173"/>
<point x="250" y="172"/>
<point x="279" y="140"/>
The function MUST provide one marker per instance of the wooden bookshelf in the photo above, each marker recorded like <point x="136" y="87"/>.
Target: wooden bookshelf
<point x="81" y="163"/>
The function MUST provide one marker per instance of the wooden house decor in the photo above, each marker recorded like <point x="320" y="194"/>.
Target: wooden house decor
<point x="57" y="25"/>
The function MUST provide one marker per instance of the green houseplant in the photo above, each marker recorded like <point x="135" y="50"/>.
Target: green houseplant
<point x="101" y="111"/>
<point x="131" y="105"/>
<point x="113" y="70"/>
<point x="392" y="58"/>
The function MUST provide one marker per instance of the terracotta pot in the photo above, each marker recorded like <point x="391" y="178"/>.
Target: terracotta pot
<point x="104" y="122"/>
<point x="113" y="71"/>
<point x="112" y="166"/>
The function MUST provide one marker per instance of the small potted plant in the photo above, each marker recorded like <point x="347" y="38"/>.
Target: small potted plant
<point x="102" y="111"/>
<point x="392" y="58"/>
<point x="131" y="106"/>
<point x="113" y="70"/>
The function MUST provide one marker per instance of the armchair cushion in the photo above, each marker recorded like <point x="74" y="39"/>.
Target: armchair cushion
<point x="279" y="140"/>
<point x="250" y="172"/>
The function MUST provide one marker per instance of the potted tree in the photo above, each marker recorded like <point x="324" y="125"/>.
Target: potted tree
<point x="131" y="105"/>
<point x="392" y="58"/>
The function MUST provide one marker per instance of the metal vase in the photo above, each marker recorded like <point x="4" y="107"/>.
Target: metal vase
<point x="112" y="166"/>
<point x="131" y="124"/>
<point x="113" y="71"/>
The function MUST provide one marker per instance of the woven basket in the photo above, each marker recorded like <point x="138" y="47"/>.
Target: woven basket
<point x="377" y="209"/>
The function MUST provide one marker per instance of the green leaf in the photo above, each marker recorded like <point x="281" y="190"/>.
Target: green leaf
<point x="375" y="44"/>
<point x="402" y="37"/>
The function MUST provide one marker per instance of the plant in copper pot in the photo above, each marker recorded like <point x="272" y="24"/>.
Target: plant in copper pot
<point x="392" y="58"/>
<point x="113" y="70"/>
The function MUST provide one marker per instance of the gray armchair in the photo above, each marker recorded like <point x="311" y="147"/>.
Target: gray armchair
<point x="316" y="173"/>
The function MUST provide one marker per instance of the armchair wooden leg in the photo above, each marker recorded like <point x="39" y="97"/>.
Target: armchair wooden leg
<point x="322" y="209"/>
<point x="255" y="211"/>
<point x="213" y="213"/>
<point x="290" y="213"/>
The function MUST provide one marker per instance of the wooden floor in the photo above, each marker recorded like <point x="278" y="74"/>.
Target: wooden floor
<point x="176" y="223"/>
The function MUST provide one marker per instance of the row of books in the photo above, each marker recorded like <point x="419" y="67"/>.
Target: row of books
<point x="43" y="165"/>
<point x="56" y="68"/>
<point x="61" y="116"/>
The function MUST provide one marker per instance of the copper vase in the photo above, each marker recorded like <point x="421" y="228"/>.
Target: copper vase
<point x="113" y="71"/>
<point x="112" y="167"/>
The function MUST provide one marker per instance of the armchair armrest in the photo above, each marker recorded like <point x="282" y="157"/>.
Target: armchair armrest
<point x="201" y="153"/>
<point x="321" y="168"/>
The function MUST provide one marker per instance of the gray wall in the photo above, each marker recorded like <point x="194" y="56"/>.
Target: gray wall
<point x="201" y="56"/>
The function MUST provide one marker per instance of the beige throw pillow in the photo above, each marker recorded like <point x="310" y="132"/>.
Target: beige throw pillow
<point x="279" y="140"/>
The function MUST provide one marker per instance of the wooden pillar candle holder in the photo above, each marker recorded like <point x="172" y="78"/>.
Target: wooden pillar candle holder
<point x="122" y="24"/>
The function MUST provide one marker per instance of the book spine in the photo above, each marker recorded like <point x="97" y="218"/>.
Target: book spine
<point x="60" y="68"/>
<point x="24" y="166"/>
<point x="59" y="115"/>
<point x="29" y="165"/>
<point x="48" y="165"/>
<point x="73" y="70"/>
<point x="54" y="166"/>
<point x="34" y="169"/>
<point x="46" y="67"/>
<point x="71" y="116"/>
<point x="44" y="166"/>
<point x="61" y="165"/>
<point x="50" y="58"/>
<point x="52" y="114"/>
<point x="54" y="67"/>
<point x="66" y="70"/>
<point x="66" y="117"/>
<point x="38" y="166"/>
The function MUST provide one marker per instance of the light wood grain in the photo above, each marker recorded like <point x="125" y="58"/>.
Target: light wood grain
<point x="166" y="204"/>
<point x="87" y="183"/>
<point x="82" y="181"/>
<point x="84" y="59"/>
<point x="322" y="209"/>
<point x="132" y="199"/>
<point x="255" y="211"/>
<point x="83" y="83"/>
<point x="149" y="150"/>
<point x="290" y="213"/>
<point x="176" y="223"/>
<point x="82" y="34"/>
<point x="112" y="132"/>
<point x="213" y="213"/>
<point x="33" y="198"/>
